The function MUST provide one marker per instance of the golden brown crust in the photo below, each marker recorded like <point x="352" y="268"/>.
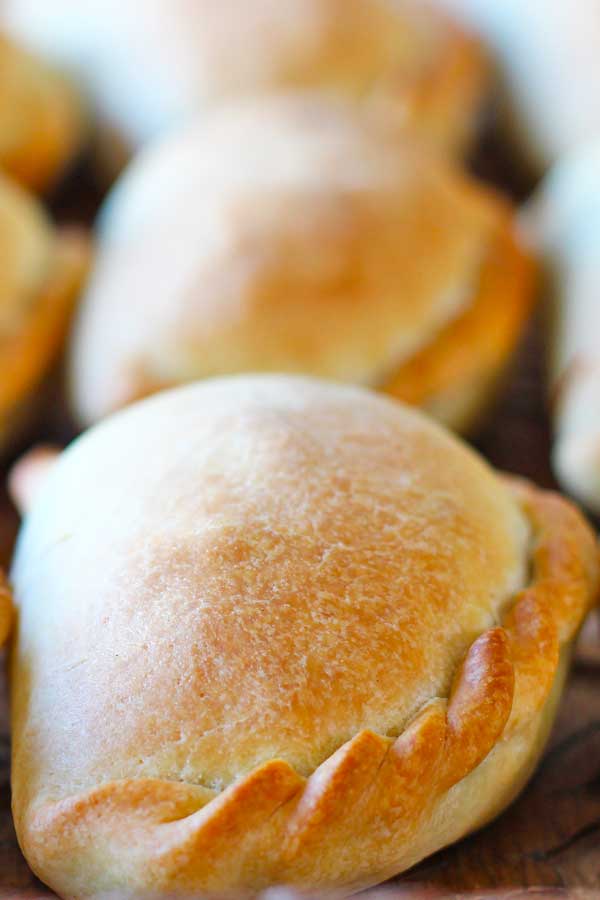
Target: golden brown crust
<point x="27" y="354"/>
<point x="41" y="119"/>
<point x="377" y="803"/>
<point x="546" y="616"/>
<point x="314" y="555"/>
<point x="372" y="781"/>
<point x="475" y="348"/>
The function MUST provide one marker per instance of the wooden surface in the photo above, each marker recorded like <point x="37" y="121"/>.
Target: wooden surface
<point x="548" y="843"/>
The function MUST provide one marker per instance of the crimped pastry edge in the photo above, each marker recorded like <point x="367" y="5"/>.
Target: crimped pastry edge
<point x="367" y="811"/>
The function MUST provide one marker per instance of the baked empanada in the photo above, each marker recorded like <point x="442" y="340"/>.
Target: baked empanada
<point x="42" y="122"/>
<point x="273" y="630"/>
<point x="42" y="271"/>
<point x="291" y="234"/>
<point x="149" y="65"/>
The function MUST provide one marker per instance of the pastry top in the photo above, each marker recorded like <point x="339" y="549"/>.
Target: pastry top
<point x="27" y="248"/>
<point x="247" y="569"/>
<point x="42" y="123"/>
<point x="285" y="234"/>
<point x="150" y="64"/>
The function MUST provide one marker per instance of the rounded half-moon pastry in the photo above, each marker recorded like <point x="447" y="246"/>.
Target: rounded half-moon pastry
<point x="292" y="234"/>
<point x="549" y="68"/>
<point x="273" y="630"/>
<point x="149" y="65"/>
<point x="564" y="217"/>
<point x="42" y="272"/>
<point x="42" y="123"/>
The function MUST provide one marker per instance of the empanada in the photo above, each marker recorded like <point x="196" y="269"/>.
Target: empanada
<point x="548" y="61"/>
<point x="42" y="271"/>
<point x="292" y="234"/>
<point x="148" y="65"/>
<point x="274" y="630"/>
<point x="42" y="120"/>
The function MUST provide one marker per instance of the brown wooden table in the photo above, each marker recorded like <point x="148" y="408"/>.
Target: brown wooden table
<point x="548" y="843"/>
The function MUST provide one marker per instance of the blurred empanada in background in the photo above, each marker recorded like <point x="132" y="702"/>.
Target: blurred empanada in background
<point x="296" y="234"/>
<point x="564" y="217"/>
<point x="547" y="54"/>
<point x="149" y="65"/>
<point x="42" y="120"/>
<point x="42" y="271"/>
